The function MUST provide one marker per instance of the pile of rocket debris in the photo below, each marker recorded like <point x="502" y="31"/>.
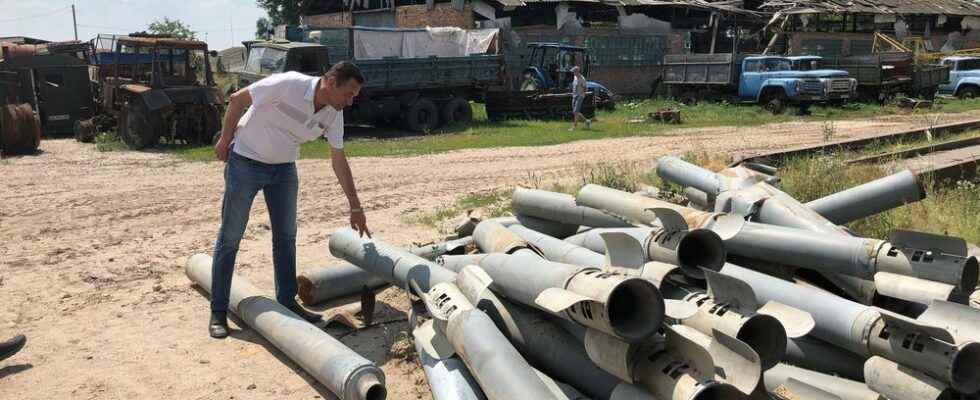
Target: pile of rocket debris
<point x="743" y="292"/>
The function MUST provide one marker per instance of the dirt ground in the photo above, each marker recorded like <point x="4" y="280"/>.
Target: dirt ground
<point x="92" y="248"/>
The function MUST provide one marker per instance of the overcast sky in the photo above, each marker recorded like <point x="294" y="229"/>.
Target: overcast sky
<point x="224" y="23"/>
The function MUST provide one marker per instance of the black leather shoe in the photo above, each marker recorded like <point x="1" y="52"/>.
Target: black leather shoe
<point x="218" y="327"/>
<point x="12" y="346"/>
<point x="308" y="316"/>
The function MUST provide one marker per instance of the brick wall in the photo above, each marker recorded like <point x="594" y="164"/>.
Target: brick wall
<point x="419" y="16"/>
<point x="332" y="20"/>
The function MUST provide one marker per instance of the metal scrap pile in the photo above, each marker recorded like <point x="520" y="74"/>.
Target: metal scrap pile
<point x="743" y="292"/>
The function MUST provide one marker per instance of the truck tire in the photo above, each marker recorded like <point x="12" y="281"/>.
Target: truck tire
<point x="968" y="93"/>
<point x="457" y="111"/>
<point x="138" y="129"/>
<point x="774" y="103"/>
<point x="422" y="116"/>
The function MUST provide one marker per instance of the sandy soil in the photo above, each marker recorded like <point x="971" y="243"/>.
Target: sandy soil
<point x="92" y="247"/>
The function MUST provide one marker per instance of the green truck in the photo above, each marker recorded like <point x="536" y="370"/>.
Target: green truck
<point x="417" y="93"/>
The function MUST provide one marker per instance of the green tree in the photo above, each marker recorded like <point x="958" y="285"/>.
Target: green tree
<point x="172" y="27"/>
<point x="284" y="12"/>
<point x="263" y="28"/>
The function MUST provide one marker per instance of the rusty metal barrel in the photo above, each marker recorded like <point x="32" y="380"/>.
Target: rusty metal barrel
<point x="20" y="130"/>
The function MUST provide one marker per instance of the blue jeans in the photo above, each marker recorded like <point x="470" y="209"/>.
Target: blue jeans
<point x="244" y="178"/>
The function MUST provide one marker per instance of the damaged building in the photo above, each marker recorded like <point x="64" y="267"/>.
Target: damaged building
<point x="847" y="27"/>
<point x="627" y="39"/>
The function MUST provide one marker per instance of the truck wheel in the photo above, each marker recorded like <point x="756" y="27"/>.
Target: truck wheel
<point x="422" y="116"/>
<point x="689" y="98"/>
<point x="775" y="104"/>
<point x="137" y="128"/>
<point x="457" y="111"/>
<point x="968" y="93"/>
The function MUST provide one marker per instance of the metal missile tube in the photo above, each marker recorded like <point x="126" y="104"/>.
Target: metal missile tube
<point x="561" y="208"/>
<point x="344" y="372"/>
<point x="898" y="382"/>
<point x="545" y="344"/>
<point x="675" y="366"/>
<point x="869" y="331"/>
<point x="562" y="391"/>
<point x="845" y="389"/>
<point x="840" y="208"/>
<point x="729" y="307"/>
<point x="712" y="184"/>
<point x="317" y="285"/>
<point x="624" y="306"/>
<point x="448" y="378"/>
<point x="854" y="256"/>
<point x="395" y="265"/>
<point x="826" y="242"/>
<point x="817" y="355"/>
<point x="497" y="366"/>
<point x="557" y="250"/>
<point x="870" y="198"/>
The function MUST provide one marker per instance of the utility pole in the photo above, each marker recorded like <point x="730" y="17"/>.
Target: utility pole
<point x="74" y="22"/>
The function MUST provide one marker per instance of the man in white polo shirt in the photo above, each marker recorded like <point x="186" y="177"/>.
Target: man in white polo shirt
<point x="263" y="129"/>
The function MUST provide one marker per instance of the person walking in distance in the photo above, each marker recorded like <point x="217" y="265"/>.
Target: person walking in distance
<point x="578" y="96"/>
<point x="260" y="138"/>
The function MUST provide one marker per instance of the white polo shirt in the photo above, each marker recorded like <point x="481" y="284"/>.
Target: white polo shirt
<point x="282" y="117"/>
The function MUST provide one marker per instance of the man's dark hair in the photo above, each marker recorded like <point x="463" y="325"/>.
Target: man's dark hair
<point x="344" y="71"/>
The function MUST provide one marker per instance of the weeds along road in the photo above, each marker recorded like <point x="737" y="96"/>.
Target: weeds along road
<point x="92" y="247"/>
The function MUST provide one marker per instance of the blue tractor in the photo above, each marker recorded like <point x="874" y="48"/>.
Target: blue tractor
<point x="550" y="65"/>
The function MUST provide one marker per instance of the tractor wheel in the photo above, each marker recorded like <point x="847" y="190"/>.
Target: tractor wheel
<point x="138" y="128"/>
<point x="457" y="111"/>
<point x="85" y="130"/>
<point x="212" y="125"/>
<point x="422" y="116"/>
<point x="968" y="93"/>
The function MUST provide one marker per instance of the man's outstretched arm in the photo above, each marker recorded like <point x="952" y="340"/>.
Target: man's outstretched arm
<point x="341" y="168"/>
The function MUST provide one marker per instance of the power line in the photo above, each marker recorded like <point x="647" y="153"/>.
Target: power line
<point x="36" y="15"/>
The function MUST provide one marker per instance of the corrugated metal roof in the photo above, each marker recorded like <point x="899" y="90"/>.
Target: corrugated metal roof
<point x="732" y="6"/>
<point x="927" y="7"/>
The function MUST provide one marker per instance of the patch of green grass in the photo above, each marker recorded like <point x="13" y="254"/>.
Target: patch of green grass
<point x="494" y="204"/>
<point x="619" y="123"/>
<point x="109" y="141"/>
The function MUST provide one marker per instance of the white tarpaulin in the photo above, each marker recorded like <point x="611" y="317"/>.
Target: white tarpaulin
<point x="421" y="43"/>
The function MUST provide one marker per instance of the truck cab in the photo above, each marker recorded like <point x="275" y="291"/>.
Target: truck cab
<point x="776" y="80"/>
<point x="964" y="77"/>
<point x="264" y="58"/>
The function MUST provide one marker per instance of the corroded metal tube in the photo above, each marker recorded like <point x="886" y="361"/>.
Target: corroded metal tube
<point x="330" y="362"/>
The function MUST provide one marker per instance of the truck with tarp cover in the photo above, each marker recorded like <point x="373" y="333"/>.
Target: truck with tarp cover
<point x="418" y="78"/>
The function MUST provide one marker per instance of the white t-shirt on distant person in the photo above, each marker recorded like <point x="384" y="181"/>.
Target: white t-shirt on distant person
<point x="282" y="117"/>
